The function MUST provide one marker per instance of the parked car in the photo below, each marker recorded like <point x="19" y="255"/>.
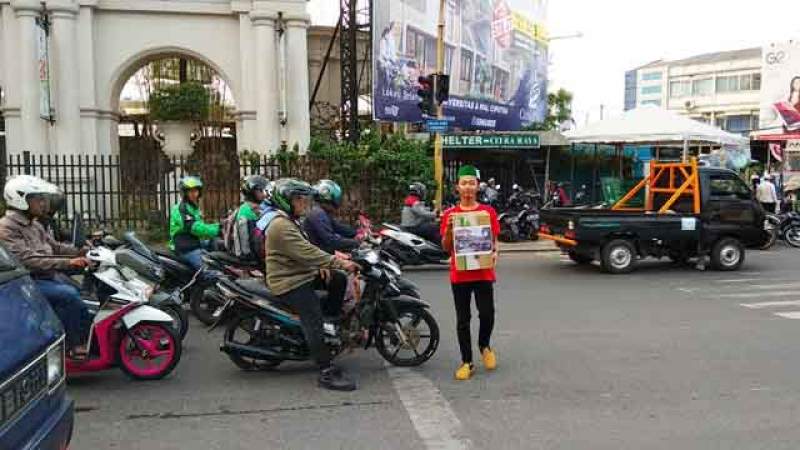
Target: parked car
<point x="35" y="411"/>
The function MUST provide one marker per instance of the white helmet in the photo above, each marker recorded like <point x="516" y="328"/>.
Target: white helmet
<point x="20" y="187"/>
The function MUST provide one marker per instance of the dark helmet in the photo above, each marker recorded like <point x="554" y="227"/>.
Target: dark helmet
<point x="328" y="191"/>
<point x="418" y="189"/>
<point x="252" y="184"/>
<point x="190" y="182"/>
<point x="288" y="188"/>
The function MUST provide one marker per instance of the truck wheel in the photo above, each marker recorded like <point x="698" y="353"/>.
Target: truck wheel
<point x="618" y="256"/>
<point x="579" y="258"/>
<point x="727" y="255"/>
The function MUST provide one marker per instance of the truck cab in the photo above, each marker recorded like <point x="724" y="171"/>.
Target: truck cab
<point x="35" y="411"/>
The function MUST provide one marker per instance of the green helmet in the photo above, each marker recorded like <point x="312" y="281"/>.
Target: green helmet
<point x="190" y="182"/>
<point x="328" y="191"/>
<point x="252" y="184"/>
<point x="288" y="188"/>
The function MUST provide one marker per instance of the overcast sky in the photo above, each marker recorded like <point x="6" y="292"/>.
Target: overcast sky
<point x="623" y="34"/>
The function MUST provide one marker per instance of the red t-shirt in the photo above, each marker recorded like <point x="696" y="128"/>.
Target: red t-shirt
<point x="468" y="276"/>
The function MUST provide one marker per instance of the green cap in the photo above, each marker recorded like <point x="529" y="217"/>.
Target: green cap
<point x="468" y="171"/>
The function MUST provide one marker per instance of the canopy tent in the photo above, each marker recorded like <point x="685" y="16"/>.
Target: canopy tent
<point x="651" y="124"/>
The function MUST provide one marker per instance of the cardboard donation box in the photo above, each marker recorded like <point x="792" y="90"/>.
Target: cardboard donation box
<point x="473" y="240"/>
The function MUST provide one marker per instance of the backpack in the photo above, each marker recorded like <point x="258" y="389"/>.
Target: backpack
<point x="229" y="230"/>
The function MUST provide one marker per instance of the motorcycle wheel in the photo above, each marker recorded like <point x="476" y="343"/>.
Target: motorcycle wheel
<point x="204" y="304"/>
<point x="792" y="236"/>
<point x="162" y="351"/>
<point x="389" y="345"/>
<point x="772" y="236"/>
<point x="241" y="330"/>
<point x="180" y="318"/>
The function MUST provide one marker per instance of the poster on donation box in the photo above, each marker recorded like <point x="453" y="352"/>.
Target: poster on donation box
<point x="473" y="240"/>
<point x="780" y="88"/>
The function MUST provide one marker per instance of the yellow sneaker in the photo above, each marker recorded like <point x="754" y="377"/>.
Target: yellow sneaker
<point x="489" y="359"/>
<point x="465" y="371"/>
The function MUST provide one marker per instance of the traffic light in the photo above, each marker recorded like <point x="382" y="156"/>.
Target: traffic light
<point x="426" y="95"/>
<point x="442" y="88"/>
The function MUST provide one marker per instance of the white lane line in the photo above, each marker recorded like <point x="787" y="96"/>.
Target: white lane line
<point x="768" y="287"/>
<point x="789" y="315"/>
<point x="758" y="294"/>
<point x="761" y="305"/>
<point x="434" y="420"/>
<point x="748" y="280"/>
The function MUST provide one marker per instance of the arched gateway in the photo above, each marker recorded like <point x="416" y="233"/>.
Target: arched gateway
<point x="94" y="46"/>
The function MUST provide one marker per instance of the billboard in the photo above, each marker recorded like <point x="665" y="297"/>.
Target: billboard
<point x="495" y="54"/>
<point x="780" y="88"/>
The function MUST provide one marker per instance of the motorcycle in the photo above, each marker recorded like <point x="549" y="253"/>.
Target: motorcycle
<point x="125" y="331"/>
<point x="399" y="246"/>
<point x="209" y="300"/>
<point x="521" y="219"/>
<point x="261" y="332"/>
<point x="785" y="226"/>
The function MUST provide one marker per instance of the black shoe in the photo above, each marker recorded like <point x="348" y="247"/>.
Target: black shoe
<point x="335" y="379"/>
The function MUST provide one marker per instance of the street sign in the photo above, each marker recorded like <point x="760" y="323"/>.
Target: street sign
<point x="436" y="125"/>
<point x="518" y="141"/>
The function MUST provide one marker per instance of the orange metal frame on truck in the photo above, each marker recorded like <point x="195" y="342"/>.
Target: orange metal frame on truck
<point x="689" y="188"/>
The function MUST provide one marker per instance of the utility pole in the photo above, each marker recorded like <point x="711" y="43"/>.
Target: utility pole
<point x="438" y="163"/>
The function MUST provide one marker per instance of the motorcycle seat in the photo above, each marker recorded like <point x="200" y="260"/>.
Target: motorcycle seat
<point x="226" y="258"/>
<point x="167" y="253"/>
<point x="255" y="287"/>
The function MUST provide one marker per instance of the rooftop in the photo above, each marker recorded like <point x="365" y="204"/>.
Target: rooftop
<point x="709" y="58"/>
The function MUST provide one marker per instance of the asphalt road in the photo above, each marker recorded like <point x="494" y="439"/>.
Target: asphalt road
<point x="664" y="358"/>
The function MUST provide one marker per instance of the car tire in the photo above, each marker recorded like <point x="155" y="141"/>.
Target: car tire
<point x="727" y="255"/>
<point x="618" y="256"/>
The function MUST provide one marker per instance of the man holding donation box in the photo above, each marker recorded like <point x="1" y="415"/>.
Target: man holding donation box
<point x="470" y="232"/>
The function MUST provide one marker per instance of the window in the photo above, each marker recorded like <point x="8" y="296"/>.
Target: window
<point x="448" y="59"/>
<point x="702" y="88"/>
<point x="756" y="82"/>
<point x="652" y="76"/>
<point x="651" y="90"/>
<point x="500" y="88"/>
<point x="466" y="65"/>
<point x="728" y="84"/>
<point x="738" y="124"/>
<point x="728" y="186"/>
<point x="651" y="102"/>
<point x="678" y="89"/>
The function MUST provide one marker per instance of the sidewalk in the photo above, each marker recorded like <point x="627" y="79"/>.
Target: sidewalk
<point x="528" y="246"/>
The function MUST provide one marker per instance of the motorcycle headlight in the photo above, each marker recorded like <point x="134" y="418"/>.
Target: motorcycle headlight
<point x="55" y="364"/>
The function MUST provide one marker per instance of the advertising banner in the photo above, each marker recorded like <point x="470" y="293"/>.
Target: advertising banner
<point x="780" y="88"/>
<point x="495" y="54"/>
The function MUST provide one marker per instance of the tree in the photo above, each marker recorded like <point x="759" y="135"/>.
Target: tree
<point x="559" y="110"/>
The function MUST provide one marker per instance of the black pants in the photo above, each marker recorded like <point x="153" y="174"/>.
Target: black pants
<point x="769" y="207"/>
<point x="305" y="301"/>
<point x="484" y="299"/>
<point x="428" y="231"/>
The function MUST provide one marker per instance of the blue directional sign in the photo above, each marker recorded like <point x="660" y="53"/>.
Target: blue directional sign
<point x="437" y="125"/>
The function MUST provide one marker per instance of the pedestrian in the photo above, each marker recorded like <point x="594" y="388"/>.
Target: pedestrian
<point x="477" y="283"/>
<point x="767" y="194"/>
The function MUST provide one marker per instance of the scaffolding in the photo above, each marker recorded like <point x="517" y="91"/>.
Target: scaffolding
<point x="676" y="181"/>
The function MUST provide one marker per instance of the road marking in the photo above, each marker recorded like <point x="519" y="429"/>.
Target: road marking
<point x="770" y="304"/>
<point x="434" y="420"/>
<point x="758" y="294"/>
<point x="789" y="315"/>
<point x="773" y="286"/>
<point x="747" y="280"/>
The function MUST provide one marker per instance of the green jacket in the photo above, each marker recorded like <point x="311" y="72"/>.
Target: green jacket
<point x="246" y="212"/>
<point x="187" y="228"/>
<point x="291" y="260"/>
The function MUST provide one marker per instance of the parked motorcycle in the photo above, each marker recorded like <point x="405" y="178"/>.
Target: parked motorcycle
<point x="261" y="332"/>
<point x="784" y="226"/>
<point x="126" y="332"/>
<point x="521" y="219"/>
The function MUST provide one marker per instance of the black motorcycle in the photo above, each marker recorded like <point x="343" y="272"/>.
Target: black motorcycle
<point x="261" y="332"/>
<point x="521" y="219"/>
<point x="784" y="226"/>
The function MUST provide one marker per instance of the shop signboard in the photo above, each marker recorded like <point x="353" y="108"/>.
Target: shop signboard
<point x="495" y="54"/>
<point x="492" y="141"/>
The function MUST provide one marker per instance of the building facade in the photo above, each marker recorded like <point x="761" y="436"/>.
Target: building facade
<point x="721" y="88"/>
<point x="77" y="68"/>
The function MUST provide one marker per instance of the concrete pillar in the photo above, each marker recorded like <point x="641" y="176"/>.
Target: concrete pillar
<point x="299" y="126"/>
<point x="33" y="127"/>
<point x="246" y="124"/>
<point x="88" y="90"/>
<point x="11" y="83"/>
<point x="66" y="74"/>
<point x="266" y="86"/>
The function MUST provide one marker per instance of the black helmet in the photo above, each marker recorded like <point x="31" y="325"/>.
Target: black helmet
<point x="190" y="182"/>
<point x="288" y="188"/>
<point x="328" y="191"/>
<point x="418" y="189"/>
<point x="252" y="184"/>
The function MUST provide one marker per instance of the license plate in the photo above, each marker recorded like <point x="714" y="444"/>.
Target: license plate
<point x="22" y="390"/>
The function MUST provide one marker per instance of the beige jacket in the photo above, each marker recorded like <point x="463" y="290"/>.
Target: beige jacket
<point x="30" y="243"/>
<point x="291" y="260"/>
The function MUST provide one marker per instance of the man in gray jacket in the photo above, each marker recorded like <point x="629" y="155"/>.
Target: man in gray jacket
<point x="417" y="218"/>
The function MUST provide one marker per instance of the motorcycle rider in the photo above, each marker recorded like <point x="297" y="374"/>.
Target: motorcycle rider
<point x="27" y="199"/>
<point x="254" y="191"/>
<point x="295" y="267"/>
<point x="322" y="228"/>
<point x="416" y="217"/>
<point x="239" y="232"/>
<point x="189" y="235"/>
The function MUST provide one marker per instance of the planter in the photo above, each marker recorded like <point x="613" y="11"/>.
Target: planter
<point x="176" y="138"/>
